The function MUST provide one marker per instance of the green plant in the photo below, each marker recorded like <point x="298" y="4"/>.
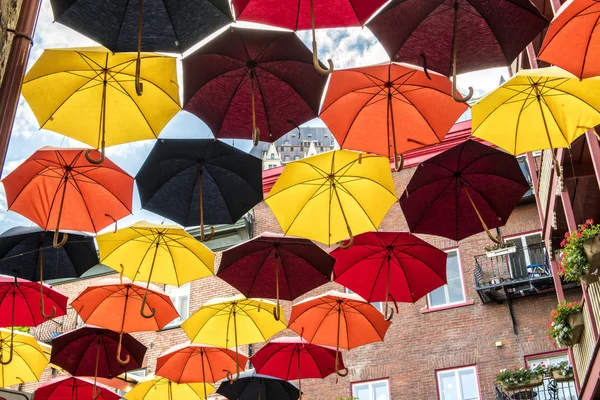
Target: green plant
<point x="347" y="398"/>
<point x="559" y="329"/>
<point x="519" y="376"/>
<point x="25" y="329"/>
<point x="564" y="368"/>
<point x="573" y="262"/>
<point x="498" y="246"/>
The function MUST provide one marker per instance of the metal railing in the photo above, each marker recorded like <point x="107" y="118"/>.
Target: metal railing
<point x="546" y="171"/>
<point x="583" y="352"/>
<point x="550" y="389"/>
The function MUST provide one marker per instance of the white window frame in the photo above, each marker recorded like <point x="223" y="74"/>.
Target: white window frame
<point x="379" y="305"/>
<point x="445" y="287"/>
<point x="179" y="292"/>
<point x="457" y="379"/>
<point x="370" y="385"/>
<point x="548" y="359"/>
<point x="524" y="243"/>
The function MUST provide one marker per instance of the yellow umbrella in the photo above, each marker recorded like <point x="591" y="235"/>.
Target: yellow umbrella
<point x="236" y="320"/>
<point x="157" y="388"/>
<point x="25" y="363"/>
<point x="331" y="196"/>
<point x="136" y="251"/>
<point x="538" y="109"/>
<point x="89" y="94"/>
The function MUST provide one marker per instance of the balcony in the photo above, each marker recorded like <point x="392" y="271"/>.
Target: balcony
<point x="549" y="390"/>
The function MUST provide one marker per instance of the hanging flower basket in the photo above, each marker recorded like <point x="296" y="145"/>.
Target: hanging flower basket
<point x="500" y="250"/>
<point x="522" y="378"/>
<point x="591" y="248"/>
<point x="532" y="383"/>
<point x="566" y="324"/>
<point x="562" y="372"/>
<point x="580" y="257"/>
<point x="559" y="377"/>
<point x="576" y="323"/>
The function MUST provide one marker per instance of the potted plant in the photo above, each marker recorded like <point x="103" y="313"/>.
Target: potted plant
<point x="566" y="324"/>
<point x="580" y="257"/>
<point x="521" y="378"/>
<point x="499" y="249"/>
<point x="562" y="371"/>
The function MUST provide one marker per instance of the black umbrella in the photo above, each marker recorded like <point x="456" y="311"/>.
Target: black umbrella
<point x="28" y="253"/>
<point x="253" y="386"/>
<point x="197" y="181"/>
<point x="171" y="26"/>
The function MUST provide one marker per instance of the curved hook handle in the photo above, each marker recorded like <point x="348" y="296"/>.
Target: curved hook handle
<point x="12" y="337"/>
<point x="230" y="377"/>
<point x="58" y="244"/>
<point x="276" y="313"/>
<point x="316" y="62"/>
<point x="400" y="165"/>
<point x="121" y="274"/>
<point x="454" y="91"/>
<point x="95" y="391"/>
<point x="114" y="220"/>
<point x="388" y="317"/>
<point x="347" y="245"/>
<point x="153" y="310"/>
<point x="47" y="316"/>
<point x="139" y="86"/>
<point x="209" y="237"/>
<point x="342" y="374"/>
<point x="119" y="346"/>
<point x="91" y="160"/>
<point x="493" y="238"/>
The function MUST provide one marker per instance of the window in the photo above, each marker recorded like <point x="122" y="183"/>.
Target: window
<point x="287" y="158"/>
<point x="272" y="156"/>
<point x="378" y="304"/>
<point x="374" y="390"/>
<point x="293" y="136"/>
<point x="286" y="142"/>
<point x="458" y="384"/>
<point x="133" y="377"/>
<point x="453" y="292"/>
<point x="310" y="135"/>
<point x="180" y="296"/>
<point x="564" y="390"/>
<point x="525" y="169"/>
<point x="296" y="157"/>
<point x="272" y="166"/>
<point x="529" y="258"/>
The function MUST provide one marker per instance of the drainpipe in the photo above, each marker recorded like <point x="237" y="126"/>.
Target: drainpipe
<point x="15" y="70"/>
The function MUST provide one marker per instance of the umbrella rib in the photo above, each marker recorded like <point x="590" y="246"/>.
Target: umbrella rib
<point x="173" y="24"/>
<point x="376" y="278"/>
<point x="315" y="194"/>
<point x="332" y="306"/>
<point x="356" y="116"/>
<point x="192" y="191"/>
<point x="368" y="319"/>
<point x="258" y="272"/>
<point x="430" y="206"/>
<point x="26" y="302"/>
<point x="121" y="25"/>
<point x="422" y="116"/>
<point x="345" y="190"/>
<point x="235" y="92"/>
<point x="144" y="80"/>
<point x="581" y="13"/>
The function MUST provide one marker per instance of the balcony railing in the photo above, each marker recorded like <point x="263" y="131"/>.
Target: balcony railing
<point x="545" y="173"/>
<point x="583" y="352"/>
<point x="549" y="390"/>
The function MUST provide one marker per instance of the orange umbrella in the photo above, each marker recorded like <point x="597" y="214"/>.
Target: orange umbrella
<point x="55" y="180"/>
<point x="338" y="319"/>
<point x="389" y="109"/>
<point x="114" y="304"/>
<point x="572" y="41"/>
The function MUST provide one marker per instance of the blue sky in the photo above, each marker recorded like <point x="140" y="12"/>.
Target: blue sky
<point x="346" y="47"/>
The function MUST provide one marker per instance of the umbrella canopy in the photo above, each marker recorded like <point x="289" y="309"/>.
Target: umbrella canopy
<point x="71" y="388"/>
<point x="290" y="358"/>
<point x="235" y="321"/>
<point x="157" y="388"/>
<point x="252" y="386"/>
<point x="572" y="41"/>
<point x="463" y="191"/>
<point x="338" y="319"/>
<point x="255" y="84"/>
<point x="389" y="109"/>
<point x="538" y="109"/>
<point x="22" y="361"/>
<point x="216" y="183"/>
<point x="457" y="36"/>
<point x="390" y="265"/>
<point x="89" y="94"/>
<point x="275" y="266"/>
<point x="332" y="196"/>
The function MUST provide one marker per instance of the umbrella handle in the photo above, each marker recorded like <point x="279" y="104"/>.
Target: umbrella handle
<point x="493" y="238"/>
<point x="98" y="161"/>
<point x="121" y="274"/>
<point x="454" y="55"/>
<point x="12" y="336"/>
<point x="399" y="165"/>
<point x="276" y="312"/>
<point x="210" y="235"/>
<point x="119" y="346"/>
<point x="425" y="65"/>
<point x="212" y="230"/>
<point x="347" y="245"/>
<point x="255" y="130"/>
<point x="316" y="62"/>
<point x="95" y="390"/>
<point x="41" y="261"/>
<point x="114" y="220"/>
<point x="139" y="87"/>
<point x="152" y="310"/>
<point x="58" y="244"/>
<point x="388" y="316"/>
<point x="237" y="354"/>
<point x="340" y="372"/>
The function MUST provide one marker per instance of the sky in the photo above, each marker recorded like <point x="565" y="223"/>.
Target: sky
<point x="349" y="47"/>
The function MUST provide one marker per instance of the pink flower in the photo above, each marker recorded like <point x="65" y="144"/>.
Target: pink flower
<point x="563" y="243"/>
<point x="567" y="234"/>
<point x="589" y="221"/>
<point x="579" y="235"/>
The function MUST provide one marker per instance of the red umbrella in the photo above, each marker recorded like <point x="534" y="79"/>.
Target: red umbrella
<point x="276" y="266"/>
<point x="249" y="83"/>
<point x="463" y="191"/>
<point x="71" y="388"/>
<point x="390" y="265"/>
<point x="91" y="351"/>
<point x="290" y="358"/>
<point x="303" y="14"/>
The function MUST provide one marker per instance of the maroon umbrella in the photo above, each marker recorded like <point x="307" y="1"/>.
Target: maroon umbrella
<point x="91" y="351"/>
<point x="276" y="266"/>
<point x="290" y="358"/>
<point x="390" y="265"/>
<point x="457" y="36"/>
<point x="463" y="191"/>
<point x="249" y="83"/>
<point x="71" y="388"/>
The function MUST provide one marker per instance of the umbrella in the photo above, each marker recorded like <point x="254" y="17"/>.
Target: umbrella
<point x="157" y="388"/>
<point x="216" y="182"/>
<point x="89" y="94"/>
<point x="170" y="26"/>
<point x="332" y="196"/>
<point x="136" y="250"/>
<point x="71" y="388"/>
<point x="189" y="363"/>
<point x="390" y="265"/>
<point x="90" y="351"/>
<point x="27" y="363"/>
<point x="457" y="36"/>
<point x="275" y="266"/>
<point x="249" y="385"/>
<point x="389" y="109"/>
<point x="234" y="320"/>
<point x="302" y="15"/>
<point x="18" y="298"/>
<point x="338" y="319"/>
<point x="538" y="109"/>
<point x="572" y="41"/>
<point x="22" y="251"/>
<point x="463" y="191"/>
<point x="290" y="358"/>
<point x="114" y="304"/>
<point x="252" y="81"/>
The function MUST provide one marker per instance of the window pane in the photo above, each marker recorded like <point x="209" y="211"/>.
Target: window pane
<point x="468" y="384"/>
<point x="361" y="392"/>
<point x="448" y="385"/>
<point x="455" y="287"/>
<point x="437" y="297"/>
<point x="380" y="390"/>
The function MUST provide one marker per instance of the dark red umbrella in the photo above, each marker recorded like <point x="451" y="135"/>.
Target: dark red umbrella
<point x="290" y="358"/>
<point x="276" y="266"/>
<point x="463" y="191"/>
<point x="91" y="351"/>
<point x="457" y="36"/>
<point x="71" y="388"/>
<point x="249" y="83"/>
<point x="390" y="265"/>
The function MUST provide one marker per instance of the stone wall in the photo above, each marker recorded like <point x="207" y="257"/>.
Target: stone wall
<point x="9" y="13"/>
